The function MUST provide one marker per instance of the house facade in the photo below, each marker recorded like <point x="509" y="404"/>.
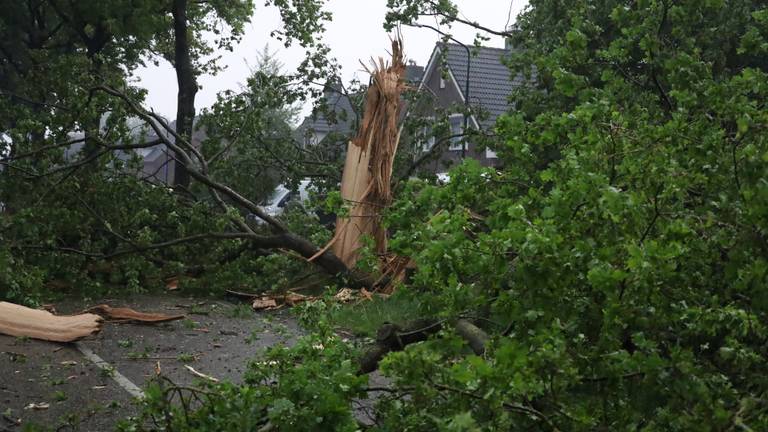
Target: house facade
<point x="337" y="122"/>
<point x="458" y="77"/>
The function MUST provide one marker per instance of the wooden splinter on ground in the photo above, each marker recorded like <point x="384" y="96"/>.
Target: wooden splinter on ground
<point x="20" y="321"/>
<point x="365" y="183"/>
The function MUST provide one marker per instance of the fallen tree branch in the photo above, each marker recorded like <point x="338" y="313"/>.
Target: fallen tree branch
<point x="200" y="374"/>
<point x="158" y="124"/>
<point x="283" y="239"/>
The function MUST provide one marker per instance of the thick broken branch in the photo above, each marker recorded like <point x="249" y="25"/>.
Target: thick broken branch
<point x="392" y="337"/>
<point x="475" y="337"/>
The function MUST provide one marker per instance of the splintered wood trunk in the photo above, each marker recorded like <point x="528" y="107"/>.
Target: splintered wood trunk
<point x="365" y="184"/>
<point x="354" y="184"/>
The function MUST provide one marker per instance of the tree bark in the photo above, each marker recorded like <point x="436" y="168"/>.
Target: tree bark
<point x="392" y="337"/>
<point x="187" y="82"/>
<point x="475" y="337"/>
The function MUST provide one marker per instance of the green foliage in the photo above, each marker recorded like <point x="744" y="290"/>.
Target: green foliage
<point x="19" y="283"/>
<point x="273" y="272"/>
<point x="306" y="388"/>
<point x="185" y="358"/>
<point x="59" y="396"/>
<point x="249" y="134"/>
<point x="623" y="243"/>
<point x="241" y="311"/>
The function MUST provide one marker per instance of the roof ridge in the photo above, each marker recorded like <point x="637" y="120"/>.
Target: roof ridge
<point x="482" y="47"/>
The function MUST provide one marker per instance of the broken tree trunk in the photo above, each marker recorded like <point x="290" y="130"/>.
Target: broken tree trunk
<point x="365" y="183"/>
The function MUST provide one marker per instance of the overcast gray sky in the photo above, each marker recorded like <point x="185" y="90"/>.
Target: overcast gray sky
<point x="355" y="34"/>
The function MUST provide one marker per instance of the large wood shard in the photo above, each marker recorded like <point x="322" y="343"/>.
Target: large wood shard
<point x="128" y="314"/>
<point x="20" y="321"/>
<point x="370" y="157"/>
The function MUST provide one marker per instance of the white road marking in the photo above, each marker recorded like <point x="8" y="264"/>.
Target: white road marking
<point x="119" y="378"/>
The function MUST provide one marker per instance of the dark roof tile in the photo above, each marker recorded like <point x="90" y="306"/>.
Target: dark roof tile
<point x="490" y="81"/>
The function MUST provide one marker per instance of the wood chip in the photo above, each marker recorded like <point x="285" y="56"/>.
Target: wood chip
<point x="172" y="284"/>
<point x="344" y="295"/>
<point x="264" y="303"/>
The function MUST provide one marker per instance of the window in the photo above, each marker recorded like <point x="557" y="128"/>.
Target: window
<point x="309" y="139"/>
<point x="442" y="82"/>
<point x="457" y="126"/>
<point x="427" y="137"/>
<point x="490" y="154"/>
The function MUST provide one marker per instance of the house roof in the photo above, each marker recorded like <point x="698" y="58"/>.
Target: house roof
<point x="413" y="73"/>
<point x="490" y="81"/>
<point x="337" y="103"/>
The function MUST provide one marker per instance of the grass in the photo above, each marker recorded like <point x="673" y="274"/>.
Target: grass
<point x="365" y="318"/>
<point x="57" y="382"/>
<point x="240" y="311"/>
<point x="107" y="372"/>
<point x="189" y="324"/>
<point x="186" y="358"/>
<point x="134" y="355"/>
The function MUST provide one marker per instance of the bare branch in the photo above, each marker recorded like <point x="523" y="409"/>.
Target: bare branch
<point x="466" y="22"/>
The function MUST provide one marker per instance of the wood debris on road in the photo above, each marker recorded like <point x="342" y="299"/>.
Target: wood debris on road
<point x="21" y="321"/>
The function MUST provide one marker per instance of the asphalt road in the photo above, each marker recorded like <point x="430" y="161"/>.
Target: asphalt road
<point x="56" y="387"/>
